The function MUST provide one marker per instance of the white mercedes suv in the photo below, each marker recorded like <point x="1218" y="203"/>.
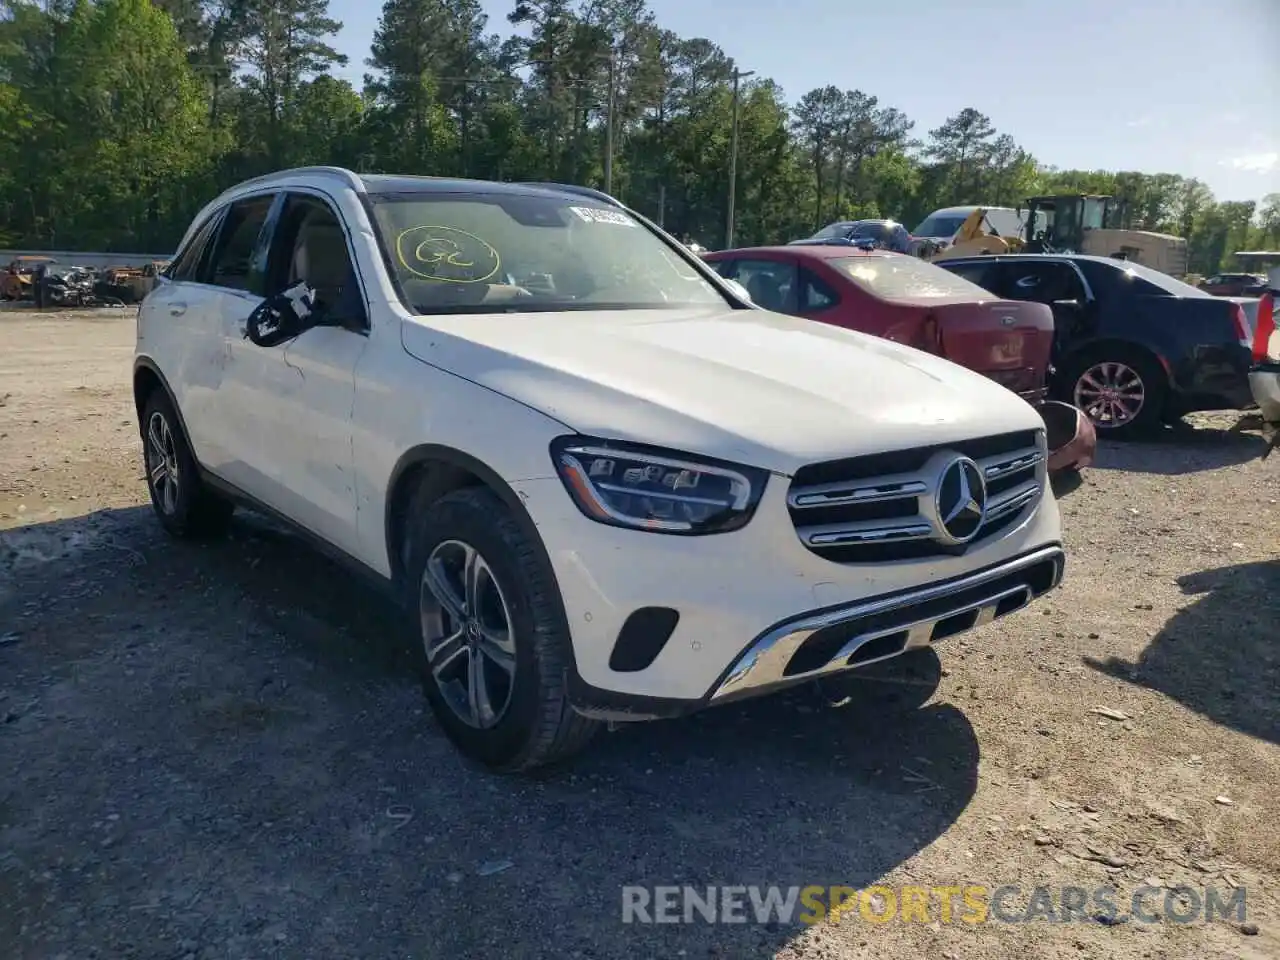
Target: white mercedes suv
<point x="602" y="483"/>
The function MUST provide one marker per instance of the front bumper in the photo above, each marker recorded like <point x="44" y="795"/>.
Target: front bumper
<point x="862" y="633"/>
<point x="1264" y="383"/>
<point x="727" y="593"/>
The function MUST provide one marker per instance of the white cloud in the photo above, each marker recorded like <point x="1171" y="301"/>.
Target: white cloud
<point x="1139" y="122"/>
<point x="1254" y="162"/>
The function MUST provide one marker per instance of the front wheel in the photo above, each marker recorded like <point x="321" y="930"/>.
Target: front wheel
<point x="1121" y="392"/>
<point x="493" y="645"/>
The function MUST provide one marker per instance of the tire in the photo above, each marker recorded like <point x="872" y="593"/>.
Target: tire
<point x="186" y="508"/>
<point x="1128" y="371"/>
<point x="524" y="666"/>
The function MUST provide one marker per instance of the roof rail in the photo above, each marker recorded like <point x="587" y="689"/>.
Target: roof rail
<point x="581" y="191"/>
<point x="347" y="176"/>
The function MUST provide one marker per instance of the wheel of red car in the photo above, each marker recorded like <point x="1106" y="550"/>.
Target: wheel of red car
<point x="1122" y="391"/>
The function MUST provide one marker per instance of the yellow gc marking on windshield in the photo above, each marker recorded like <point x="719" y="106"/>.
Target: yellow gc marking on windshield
<point x="446" y="254"/>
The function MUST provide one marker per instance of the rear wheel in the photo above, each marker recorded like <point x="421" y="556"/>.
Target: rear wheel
<point x="185" y="506"/>
<point x="1121" y="391"/>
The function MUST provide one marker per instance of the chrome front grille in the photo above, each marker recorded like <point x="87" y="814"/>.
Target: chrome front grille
<point x="885" y="506"/>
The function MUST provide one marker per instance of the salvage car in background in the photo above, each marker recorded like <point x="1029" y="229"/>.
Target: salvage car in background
<point x="1133" y="347"/>
<point x="937" y="231"/>
<point x="1234" y="285"/>
<point x="908" y="300"/>
<point x="875" y="234"/>
<point x="18" y="280"/>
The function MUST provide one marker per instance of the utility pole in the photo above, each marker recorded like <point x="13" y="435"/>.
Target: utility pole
<point x="738" y="75"/>
<point x="608" y="127"/>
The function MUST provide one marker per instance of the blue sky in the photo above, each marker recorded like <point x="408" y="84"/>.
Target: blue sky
<point x="1158" y="85"/>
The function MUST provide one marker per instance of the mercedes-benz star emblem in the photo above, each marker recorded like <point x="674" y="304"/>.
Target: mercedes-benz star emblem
<point x="961" y="501"/>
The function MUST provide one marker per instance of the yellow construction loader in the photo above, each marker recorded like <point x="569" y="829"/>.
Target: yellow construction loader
<point x="1070" y="223"/>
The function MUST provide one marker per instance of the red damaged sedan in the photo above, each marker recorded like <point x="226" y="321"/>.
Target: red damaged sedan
<point x="911" y="301"/>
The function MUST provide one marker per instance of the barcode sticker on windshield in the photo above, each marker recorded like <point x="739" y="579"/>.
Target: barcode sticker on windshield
<point x="596" y="215"/>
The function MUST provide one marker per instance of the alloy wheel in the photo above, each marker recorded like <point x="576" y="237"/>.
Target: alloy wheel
<point x="1110" y="393"/>
<point x="467" y="634"/>
<point x="162" y="463"/>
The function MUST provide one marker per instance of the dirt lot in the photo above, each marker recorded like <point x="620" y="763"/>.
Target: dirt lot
<point x="220" y="751"/>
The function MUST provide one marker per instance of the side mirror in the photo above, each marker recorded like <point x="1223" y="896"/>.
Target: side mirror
<point x="738" y="288"/>
<point x="281" y="317"/>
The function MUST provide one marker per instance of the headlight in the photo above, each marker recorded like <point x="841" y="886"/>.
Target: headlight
<point x="648" y="488"/>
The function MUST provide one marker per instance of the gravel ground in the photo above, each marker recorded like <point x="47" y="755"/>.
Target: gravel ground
<point x="220" y="751"/>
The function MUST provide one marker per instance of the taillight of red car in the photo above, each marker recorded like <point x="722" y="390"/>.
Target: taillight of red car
<point x="1266" y="327"/>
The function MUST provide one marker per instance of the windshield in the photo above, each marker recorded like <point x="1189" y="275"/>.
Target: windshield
<point x="482" y="253"/>
<point x="938" y="226"/>
<point x="907" y="278"/>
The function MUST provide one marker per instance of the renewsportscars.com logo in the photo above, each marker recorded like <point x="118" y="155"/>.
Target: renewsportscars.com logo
<point x="968" y="904"/>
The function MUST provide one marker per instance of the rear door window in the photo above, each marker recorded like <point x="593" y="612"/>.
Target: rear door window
<point x="233" y="259"/>
<point x="1041" y="282"/>
<point x="771" y="283"/>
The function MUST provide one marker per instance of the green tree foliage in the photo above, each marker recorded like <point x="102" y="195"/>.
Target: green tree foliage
<point x="118" y="118"/>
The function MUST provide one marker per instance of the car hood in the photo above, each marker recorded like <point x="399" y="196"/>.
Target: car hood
<point x="745" y="385"/>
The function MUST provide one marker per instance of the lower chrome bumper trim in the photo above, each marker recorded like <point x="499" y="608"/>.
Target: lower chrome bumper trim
<point x="923" y="616"/>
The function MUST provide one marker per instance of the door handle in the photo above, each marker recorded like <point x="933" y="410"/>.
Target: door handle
<point x="177" y="309"/>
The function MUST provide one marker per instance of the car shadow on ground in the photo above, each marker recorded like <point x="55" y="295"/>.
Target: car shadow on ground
<point x="1234" y="681"/>
<point x="1180" y="448"/>
<point x="247" y="710"/>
